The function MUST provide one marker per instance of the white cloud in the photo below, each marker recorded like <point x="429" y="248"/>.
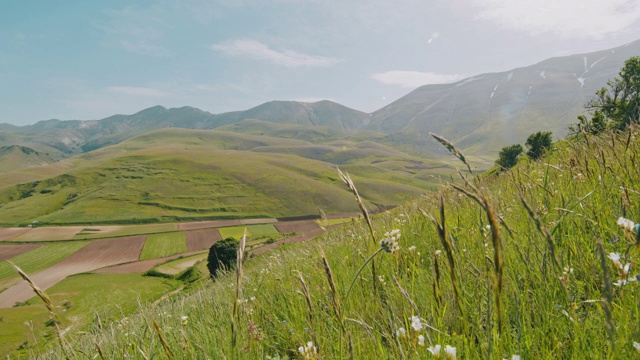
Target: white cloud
<point x="433" y="37"/>
<point x="259" y="51"/>
<point x="568" y="19"/>
<point x="137" y="91"/>
<point x="413" y="79"/>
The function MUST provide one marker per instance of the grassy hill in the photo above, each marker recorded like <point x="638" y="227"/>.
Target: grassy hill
<point x="180" y="174"/>
<point x="539" y="271"/>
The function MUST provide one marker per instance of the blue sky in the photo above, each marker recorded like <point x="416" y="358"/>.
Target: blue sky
<point x="92" y="59"/>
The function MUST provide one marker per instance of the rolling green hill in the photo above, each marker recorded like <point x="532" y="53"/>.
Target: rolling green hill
<point x="181" y="174"/>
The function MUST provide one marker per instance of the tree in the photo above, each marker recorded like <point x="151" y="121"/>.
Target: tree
<point x="508" y="156"/>
<point x="222" y="256"/>
<point x="618" y="104"/>
<point x="538" y="144"/>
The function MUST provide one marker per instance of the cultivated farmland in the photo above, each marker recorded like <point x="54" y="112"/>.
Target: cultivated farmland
<point x="201" y="240"/>
<point x="97" y="254"/>
<point x="162" y="245"/>
<point x="10" y="250"/>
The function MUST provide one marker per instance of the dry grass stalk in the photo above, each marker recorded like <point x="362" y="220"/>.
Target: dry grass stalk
<point x="497" y="257"/>
<point x="448" y="248"/>
<point x="165" y="346"/>
<point x="307" y="295"/>
<point x="99" y="350"/>
<point x="543" y="230"/>
<point x="235" y="317"/>
<point x="48" y="303"/>
<point x="455" y="151"/>
<point x="347" y="179"/>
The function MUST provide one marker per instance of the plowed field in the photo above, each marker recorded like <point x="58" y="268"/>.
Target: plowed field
<point x="95" y="255"/>
<point x="9" y="250"/>
<point x="201" y="240"/>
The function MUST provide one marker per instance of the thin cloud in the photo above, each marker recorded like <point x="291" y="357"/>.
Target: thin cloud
<point x="259" y="51"/>
<point x="568" y="19"/>
<point x="137" y="91"/>
<point x="433" y="37"/>
<point x="413" y="79"/>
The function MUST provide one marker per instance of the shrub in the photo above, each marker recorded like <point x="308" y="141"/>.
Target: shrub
<point x="222" y="256"/>
<point x="538" y="144"/>
<point x="508" y="156"/>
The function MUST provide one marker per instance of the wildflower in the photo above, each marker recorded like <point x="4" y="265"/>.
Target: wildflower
<point x="416" y="324"/>
<point x="420" y="340"/>
<point x="412" y="248"/>
<point x="450" y="352"/>
<point x="615" y="257"/>
<point x="381" y="279"/>
<point x="438" y="252"/>
<point x="390" y="242"/>
<point x="185" y="320"/>
<point x="401" y="332"/>
<point x="637" y="346"/>
<point x="626" y="224"/>
<point x="435" y="350"/>
<point x="309" y="351"/>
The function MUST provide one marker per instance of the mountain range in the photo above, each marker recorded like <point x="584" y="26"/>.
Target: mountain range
<point x="389" y="150"/>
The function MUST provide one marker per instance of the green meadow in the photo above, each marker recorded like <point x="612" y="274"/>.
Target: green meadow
<point x="529" y="262"/>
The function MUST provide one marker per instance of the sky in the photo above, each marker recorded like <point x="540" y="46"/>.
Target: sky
<point x="85" y="60"/>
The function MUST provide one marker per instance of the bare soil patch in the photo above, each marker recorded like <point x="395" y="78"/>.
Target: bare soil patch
<point x="7" y="251"/>
<point x="297" y="226"/>
<point x="9" y="233"/>
<point x="49" y="233"/>
<point x="201" y="240"/>
<point x="97" y="254"/>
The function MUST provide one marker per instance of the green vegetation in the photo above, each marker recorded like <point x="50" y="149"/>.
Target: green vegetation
<point x="163" y="245"/>
<point x="79" y="300"/>
<point x="127" y="230"/>
<point x="508" y="156"/>
<point x="619" y="104"/>
<point x="38" y="259"/>
<point x="235" y="232"/>
<point x="538" y="144"/>
<point x="198" y="177"/>
<point x="176" y="266"/>
<point x="222" y="256"/>
<point x="547" y="279"/>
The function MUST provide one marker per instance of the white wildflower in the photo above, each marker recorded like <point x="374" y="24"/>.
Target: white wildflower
<point x="390" y="242"/>
<point x="401" y="332"/>
<point x="185" y="320"/>
<point x="438" y="252"/>
<point x="416" y="324"/>
<point x="637" y="346"/>
<point x="626" y="224"/>
<point x="435" y="350"/>
<point x="421" y="340"/>
<point x="412" y="248"/>
<point x="450" y="352"/>
<point x="615" y="257"/>
<point x="309" y="351"/>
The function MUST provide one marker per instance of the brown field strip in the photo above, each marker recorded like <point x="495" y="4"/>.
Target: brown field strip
<point x="223" y="223"/>
<point x="300" y="227"/>
<point x="49" y="233"/>
<point x="7" y="251"/>
<point x="97" y="254"/>
<point x="201" y="240"/>
<point x="10" y="233"/>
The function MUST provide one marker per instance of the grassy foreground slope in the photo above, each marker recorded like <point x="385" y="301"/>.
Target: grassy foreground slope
<point x="178" y="174"/>
<point x="558" y="294"/>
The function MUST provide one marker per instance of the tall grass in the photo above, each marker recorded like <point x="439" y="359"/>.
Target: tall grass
<point x="542" y="289"/>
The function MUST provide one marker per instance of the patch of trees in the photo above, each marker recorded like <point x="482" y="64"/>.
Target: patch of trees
<point x="537" y="144"/>
<point x="616" y="105"/>
<point x="222" y="256"/>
